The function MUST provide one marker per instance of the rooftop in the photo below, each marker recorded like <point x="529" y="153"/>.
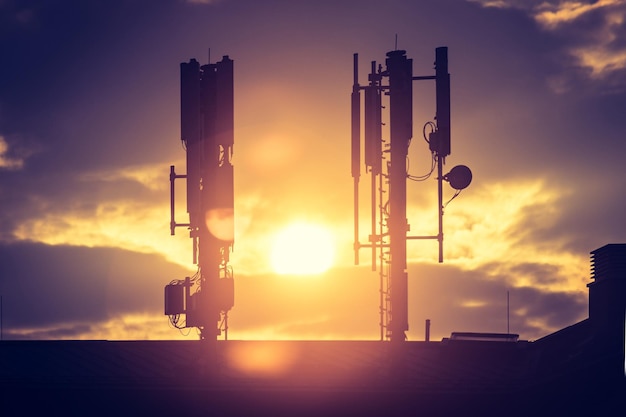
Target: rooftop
<point x="310" y="377"/>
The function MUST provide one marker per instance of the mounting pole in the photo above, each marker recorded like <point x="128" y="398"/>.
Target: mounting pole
<point x="356" y="150"/>
<point x="440" y="204"/>
<point x="400" y="71"/>
<point x="390" y="241"/>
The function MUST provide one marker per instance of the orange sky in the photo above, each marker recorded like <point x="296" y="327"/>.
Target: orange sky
<point x="535" y="88"/>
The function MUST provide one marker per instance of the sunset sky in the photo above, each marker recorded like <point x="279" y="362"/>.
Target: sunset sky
<point x="90" y="124"/>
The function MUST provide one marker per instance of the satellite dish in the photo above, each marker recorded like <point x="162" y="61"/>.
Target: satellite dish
<point x="459" y="177"/>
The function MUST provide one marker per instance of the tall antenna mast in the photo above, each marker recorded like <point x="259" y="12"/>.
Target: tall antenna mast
<point x="207" y="126"/>
<point x="390" y="241"/>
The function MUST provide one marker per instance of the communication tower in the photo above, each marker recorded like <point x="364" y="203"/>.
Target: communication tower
<point x="207" y="124"/>
<point x="386" y="161"/>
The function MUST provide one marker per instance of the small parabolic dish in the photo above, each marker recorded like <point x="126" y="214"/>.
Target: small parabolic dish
<point x="459" y="177"/>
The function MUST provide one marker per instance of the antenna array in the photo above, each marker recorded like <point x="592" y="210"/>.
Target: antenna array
<point x="385" y="161"/>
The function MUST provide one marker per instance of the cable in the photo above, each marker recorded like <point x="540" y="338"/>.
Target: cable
<point x="427" y="175"/>
<point x="453" y="197"/>
<point x="433" y="128"/>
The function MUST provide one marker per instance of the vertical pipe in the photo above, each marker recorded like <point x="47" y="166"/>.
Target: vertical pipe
<point x="356" y="150"/>
<point x="401" y="101"/>
<point x="356" y="221"/>
<point x="383" y="323"/>
<point x="427" y="335"/>
<point x="440" y="204"/>
<point x="381" y="310"/>
<point x="172" y="179"/>
<point x="373" y="238"/>
<point x="373" y="152"/>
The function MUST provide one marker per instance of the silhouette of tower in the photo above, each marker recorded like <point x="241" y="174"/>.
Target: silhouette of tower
<point x="386" y="161"/>
<point x="400" y="70"/>
<point x="207" y="125"/>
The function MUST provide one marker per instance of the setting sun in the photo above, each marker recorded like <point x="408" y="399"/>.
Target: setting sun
<point x="302" y="249"/>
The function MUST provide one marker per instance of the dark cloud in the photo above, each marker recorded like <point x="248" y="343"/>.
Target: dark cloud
<point x="67" y="331"/>
<point x="57" y="196"/>
<point x="586" y="215"/>
<point x="67" y="287"/>
<point x="63" y="292"/>
<point x="458" y="300"/>
<point x="542" y="274"/>
<point x="594" y="219"/>
<point x="556" y="309"/>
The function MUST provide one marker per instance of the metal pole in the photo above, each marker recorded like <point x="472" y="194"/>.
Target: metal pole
<point x="400" y="92"/>
<point x="440" y="204"/>
<point x="356" y="150"/>
<point x="373" y="238"/>
<point x="172" y="180"/>
<point x="356" y="221"/>
<point x="381" y="254"/>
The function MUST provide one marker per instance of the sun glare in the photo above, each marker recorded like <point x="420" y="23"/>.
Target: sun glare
<point x="303" y="249"/>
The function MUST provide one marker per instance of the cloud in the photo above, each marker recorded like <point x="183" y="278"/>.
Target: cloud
<point x="140" y="326"/>
<point x="600" y="59"/>
<point x="126" y="208"/>
<point x="509" y="4"/>
<point x="104" y="293"/>
<point x="591" y="33"/>
<point x="596" y="30"/>
<point x="457" y="299"/>
<point x="501" y="223"/>
<point x="6" y="160"/>
<point x="151" y="176"/>
<point x="73" y="292"/>
<point x="551" y="14"/>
